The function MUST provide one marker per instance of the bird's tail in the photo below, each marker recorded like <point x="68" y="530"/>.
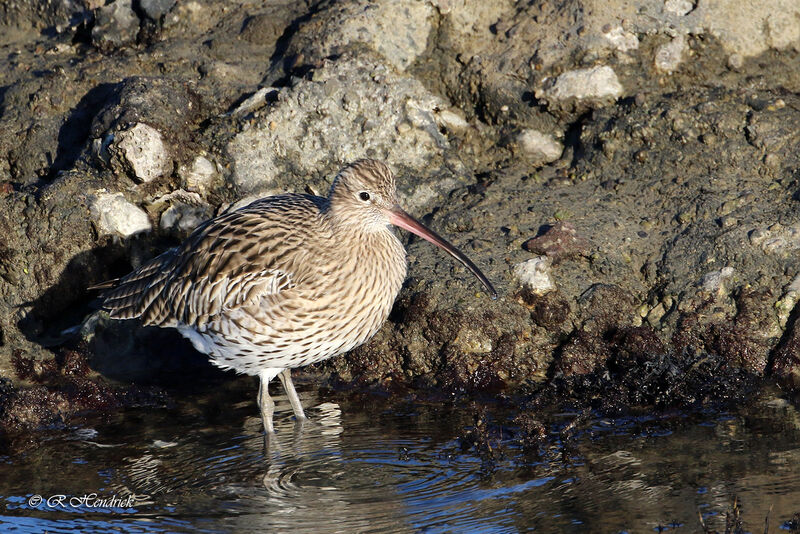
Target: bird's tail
<point x="131" y="296"/>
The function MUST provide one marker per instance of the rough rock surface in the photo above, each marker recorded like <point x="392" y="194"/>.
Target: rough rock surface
<point x="397" y="29"/>
<point x="350" y="108"/>
<point x="115" y="215"/>
<point x="647" y="148"/>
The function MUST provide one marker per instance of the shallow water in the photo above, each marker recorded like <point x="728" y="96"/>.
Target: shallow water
<point x="374" y="466"/>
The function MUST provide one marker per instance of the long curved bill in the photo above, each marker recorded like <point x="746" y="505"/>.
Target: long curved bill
<point x="398" y="217"/>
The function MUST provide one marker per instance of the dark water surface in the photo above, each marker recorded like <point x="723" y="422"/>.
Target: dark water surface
<point x="371" y="466"/>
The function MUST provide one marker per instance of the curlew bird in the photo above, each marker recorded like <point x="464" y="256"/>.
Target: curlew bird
<point x="284" y="282"/>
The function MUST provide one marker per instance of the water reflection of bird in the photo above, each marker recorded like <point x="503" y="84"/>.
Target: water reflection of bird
<point x="284" y="282"/>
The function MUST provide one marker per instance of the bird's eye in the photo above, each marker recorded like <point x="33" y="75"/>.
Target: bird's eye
<point x="363" y="196"/>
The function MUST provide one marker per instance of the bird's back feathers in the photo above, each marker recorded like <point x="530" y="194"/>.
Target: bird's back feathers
<point x="225" y="263"/>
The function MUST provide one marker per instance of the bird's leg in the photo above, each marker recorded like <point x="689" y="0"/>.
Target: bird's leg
<point x="286" y="380"/>
<point x="265" y="402"/>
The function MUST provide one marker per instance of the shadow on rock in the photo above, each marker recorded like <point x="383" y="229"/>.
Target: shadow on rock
<point x="128" y="352"/>
<point x="74" y="133"/>
<point x="67" y="317"/>
<point x="58" y="310"/>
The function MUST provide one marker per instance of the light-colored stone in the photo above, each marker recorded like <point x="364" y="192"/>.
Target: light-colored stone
<point x="735" y="61"/>
<point x="621" y="40"/>
<point x="794" y="285"/>
<point x="783" y="30"/>
<point x="100" y="148"/>
<point x="255" y="101"/>
<point x="535" y="274"/>
<point x="354" y="107"/>
<point x="398" y="30"/>
<point x="788" y="301"/>
<point x="451" y="120"/>
<point x="115" y="24"/>
<point x="113" y="214"/>
<point x="678" y="7"/>
<point x="200" y="175"/>
<point x="595" y="82"/>
<point x="425" y="193"/>
<point x="182" y="217"/>
<point x="716" y="282"/>
<point x="749" y="28"/>
<point x="655" y="314"/>
<point x="142" y="150"/>
<point x="472" y="22"/>
<point x="669" y="55"/>
<point x="777" y="239"/>
<point x="538" y="146"/>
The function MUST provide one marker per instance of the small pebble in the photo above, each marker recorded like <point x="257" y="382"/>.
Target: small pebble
<point x="534" y="274"/>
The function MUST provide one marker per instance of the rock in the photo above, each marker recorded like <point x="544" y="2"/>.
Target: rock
<point x="746" y="341"/>
<point x="396" y="29"/>
<point x="776" y="239"/>
<point x="782" y="30"/>
<point x="181" y="217"/>
<point x="750" y="29"/>
<point x="716" y="282"/>
<point x="621" y="40"/>
<point x="560" y="241"/>
<point x="452" y="120"/>
<point x="165" y="104"/>
<point x="735" y="61"/>
<point x="263" y="29"/>
<point x="669" y="56"/>
<point x="115" y="25"/>
<point x="535" y="275"/>
<point x="549" y="310"/>
<point x="423" y="194"/>
<point x="786" y="358"/>
<point x="655" y="314"/>
<point x="114" y="214"/>
<point x="539" y="147"/>
<point x="592" y="83"/>
<point x="200" y="176"/>
<point x="141" y="150"/>
<point x="606" y="307"/>
<point x="351" y="108"/>
<point x="156" y="9"/>
<point x="768" y="131"/>
<point x="41" y="14"/>
<point x="787" y="302"/>
<point x="471" y="341"/>
<point x="582" y="354"/>
<point x="256" y="100"/>
<point x="678" y="7"/>
<point x="471" y="22"/>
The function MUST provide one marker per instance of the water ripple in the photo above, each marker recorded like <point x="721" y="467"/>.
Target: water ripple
<point x="383" y="470"/>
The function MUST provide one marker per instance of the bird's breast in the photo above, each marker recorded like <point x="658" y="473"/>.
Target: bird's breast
<point x="369" y="282"/>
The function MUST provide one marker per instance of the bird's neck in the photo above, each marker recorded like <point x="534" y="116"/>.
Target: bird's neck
<point x="364" y="238"/>
<point x="373" y="251"/>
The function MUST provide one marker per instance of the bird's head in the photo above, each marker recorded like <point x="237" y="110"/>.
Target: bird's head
<point x="363" y="198"/>
<point x="363" y="195"/>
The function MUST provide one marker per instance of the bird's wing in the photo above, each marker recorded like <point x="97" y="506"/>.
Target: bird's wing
<point x="227" y="262"/>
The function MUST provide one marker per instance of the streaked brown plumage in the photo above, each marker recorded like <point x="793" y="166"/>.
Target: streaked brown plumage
<point x="284" y="282"/>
